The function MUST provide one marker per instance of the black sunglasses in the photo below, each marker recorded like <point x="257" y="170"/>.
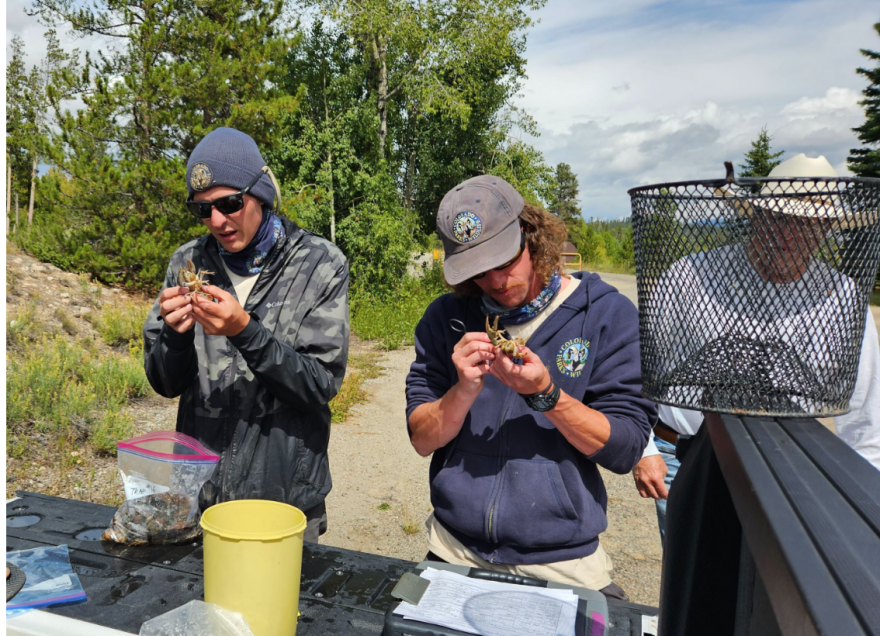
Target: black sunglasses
<point x="522" y="247"/>
<point x="227" y="205"/>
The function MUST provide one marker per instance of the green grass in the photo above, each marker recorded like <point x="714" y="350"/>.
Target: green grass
<point x="392" y="320"/>
<point x="66" y="321"/>
<point x="54" y="384"/>
<point x="89" y="290"/>
<point x="875" y="297"/>
<point x="410" y="527"/>
<point x="11" y="281"/>
<point x="360" y="367"/>
<point x="610" y="268"/>
<point x="111" y="427"/>
<point x="121" y="322"/>
<point x="384" y="506"/>
<point x="25" y="327"/>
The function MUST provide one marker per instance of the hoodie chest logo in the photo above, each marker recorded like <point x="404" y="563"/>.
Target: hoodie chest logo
<point x="572" y="357"/>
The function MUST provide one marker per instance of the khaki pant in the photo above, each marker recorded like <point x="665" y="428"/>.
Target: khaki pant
<point x="591" y="572"/>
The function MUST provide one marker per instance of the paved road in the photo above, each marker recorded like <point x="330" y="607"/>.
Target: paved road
<point x="626" y="285"/>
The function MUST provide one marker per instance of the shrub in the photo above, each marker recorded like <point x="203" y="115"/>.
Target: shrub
<point x="378" y="247"/>
<point x="121" y="322"/>
<point x="25" y="326"/>
<point x="55" y="383"/>
<point x="392" y="318"/>
<point x="111" y="427"/>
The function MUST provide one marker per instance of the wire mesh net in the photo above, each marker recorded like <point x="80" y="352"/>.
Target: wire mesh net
<point x="753" y="293"/>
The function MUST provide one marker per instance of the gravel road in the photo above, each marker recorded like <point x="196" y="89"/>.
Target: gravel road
<point x="380" y="497"/>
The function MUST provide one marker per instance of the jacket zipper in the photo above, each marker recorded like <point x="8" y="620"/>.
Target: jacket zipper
<point x="230" y="458"/>
<point x="224" y="478"/>
<point x="501" y="458"/>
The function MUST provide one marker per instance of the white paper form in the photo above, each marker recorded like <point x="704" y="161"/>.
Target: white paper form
<point x="649" y="625"/>
<point x="490" y="608"/>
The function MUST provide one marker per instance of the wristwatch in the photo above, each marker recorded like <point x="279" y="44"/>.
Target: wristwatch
<point x="543" y="400"/>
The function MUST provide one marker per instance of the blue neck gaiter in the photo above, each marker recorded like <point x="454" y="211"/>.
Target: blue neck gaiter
<point x="250" y="260"/>
<point x="528" y="311"/>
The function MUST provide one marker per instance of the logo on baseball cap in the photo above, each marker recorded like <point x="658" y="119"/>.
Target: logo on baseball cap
<point x="478" y="224"/>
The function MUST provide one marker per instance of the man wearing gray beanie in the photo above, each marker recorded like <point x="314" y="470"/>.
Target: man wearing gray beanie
<point x="257" y="353"/>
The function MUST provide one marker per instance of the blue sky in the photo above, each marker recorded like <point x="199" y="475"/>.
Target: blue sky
<point x="634" y="92"/>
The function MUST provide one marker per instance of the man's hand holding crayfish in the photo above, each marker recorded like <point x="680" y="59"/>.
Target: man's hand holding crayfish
<point x="222" y="316"/>
<point x="475" y="356"/>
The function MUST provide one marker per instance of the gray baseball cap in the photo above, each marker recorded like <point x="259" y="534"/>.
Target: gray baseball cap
<point x="478" y="224"/>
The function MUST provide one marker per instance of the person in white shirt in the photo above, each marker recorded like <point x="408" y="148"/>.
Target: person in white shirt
<point x="778" y="286"/>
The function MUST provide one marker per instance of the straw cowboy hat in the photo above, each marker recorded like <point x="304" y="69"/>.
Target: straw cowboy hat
<point x="803" y="187"/>
<point x="795" y="194"/>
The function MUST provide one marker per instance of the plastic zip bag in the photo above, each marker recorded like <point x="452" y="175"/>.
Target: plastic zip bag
<point x="197" y="617"/>
<point x="49" y="580"/>
<point x="162" y="474"/>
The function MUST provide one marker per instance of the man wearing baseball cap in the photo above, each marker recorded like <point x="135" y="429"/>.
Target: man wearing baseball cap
<point x="257" y="359"/>
<point x="517" y="434"/>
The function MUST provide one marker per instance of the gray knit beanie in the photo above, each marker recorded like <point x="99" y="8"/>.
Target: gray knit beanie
<point x="228" y="157"/>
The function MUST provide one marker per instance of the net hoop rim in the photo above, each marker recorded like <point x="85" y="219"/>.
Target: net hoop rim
<point x="752" y="181"/>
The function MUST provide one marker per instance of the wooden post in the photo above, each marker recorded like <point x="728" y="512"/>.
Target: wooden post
<point x="8" y="191"/>
<point x="33" y="187"/>
<point x="332" y="201"/>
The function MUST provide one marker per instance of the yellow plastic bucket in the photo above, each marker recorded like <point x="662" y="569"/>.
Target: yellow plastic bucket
<point x="253" y="560"/>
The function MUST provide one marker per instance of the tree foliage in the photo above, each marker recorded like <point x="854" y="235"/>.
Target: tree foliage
<point x="759" y="160"/>
<point x="29" y="98"/>
<point x="439" y="78"/>
<point x="865" y="162"/>
<point x="400" y="102"/>
<point x="20" y="120"/>
<point x="368" y="115"/>
<point x="173" y="70"/>
<point x="563" y="202"/>
<point x="604" y="244"/>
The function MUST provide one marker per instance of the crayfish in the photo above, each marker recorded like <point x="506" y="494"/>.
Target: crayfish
<point x="158" y="519"/>
<point x="193" y="280"/>
<point x="509" y="347"/>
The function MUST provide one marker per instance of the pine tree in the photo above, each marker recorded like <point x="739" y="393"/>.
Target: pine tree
<point x="865" y="162"/>
<point x="759" y="160"/>
<point x="29" y="98"/>
<point x="176" y="70"/>
<point x="565" y="196"/>
<point x="19" y="123"/>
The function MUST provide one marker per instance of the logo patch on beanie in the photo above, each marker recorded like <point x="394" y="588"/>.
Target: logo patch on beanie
<point x="201" y="177"/>
<point x="466" y="227"/>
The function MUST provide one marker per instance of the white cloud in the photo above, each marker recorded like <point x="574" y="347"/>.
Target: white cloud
<point x="701" y="83"/>
<point x="837" y="102"/>
<point x="33" y="33"/>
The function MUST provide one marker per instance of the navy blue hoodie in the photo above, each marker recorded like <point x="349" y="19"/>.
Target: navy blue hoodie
<point x="510" y="487"/>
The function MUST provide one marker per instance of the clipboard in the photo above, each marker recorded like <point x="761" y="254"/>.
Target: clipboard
<point x="592" y="612"/>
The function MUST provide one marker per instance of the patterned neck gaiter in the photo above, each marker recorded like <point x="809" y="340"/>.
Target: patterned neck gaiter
<point x="526" y="312"/>
<point x="251" y="259"/>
